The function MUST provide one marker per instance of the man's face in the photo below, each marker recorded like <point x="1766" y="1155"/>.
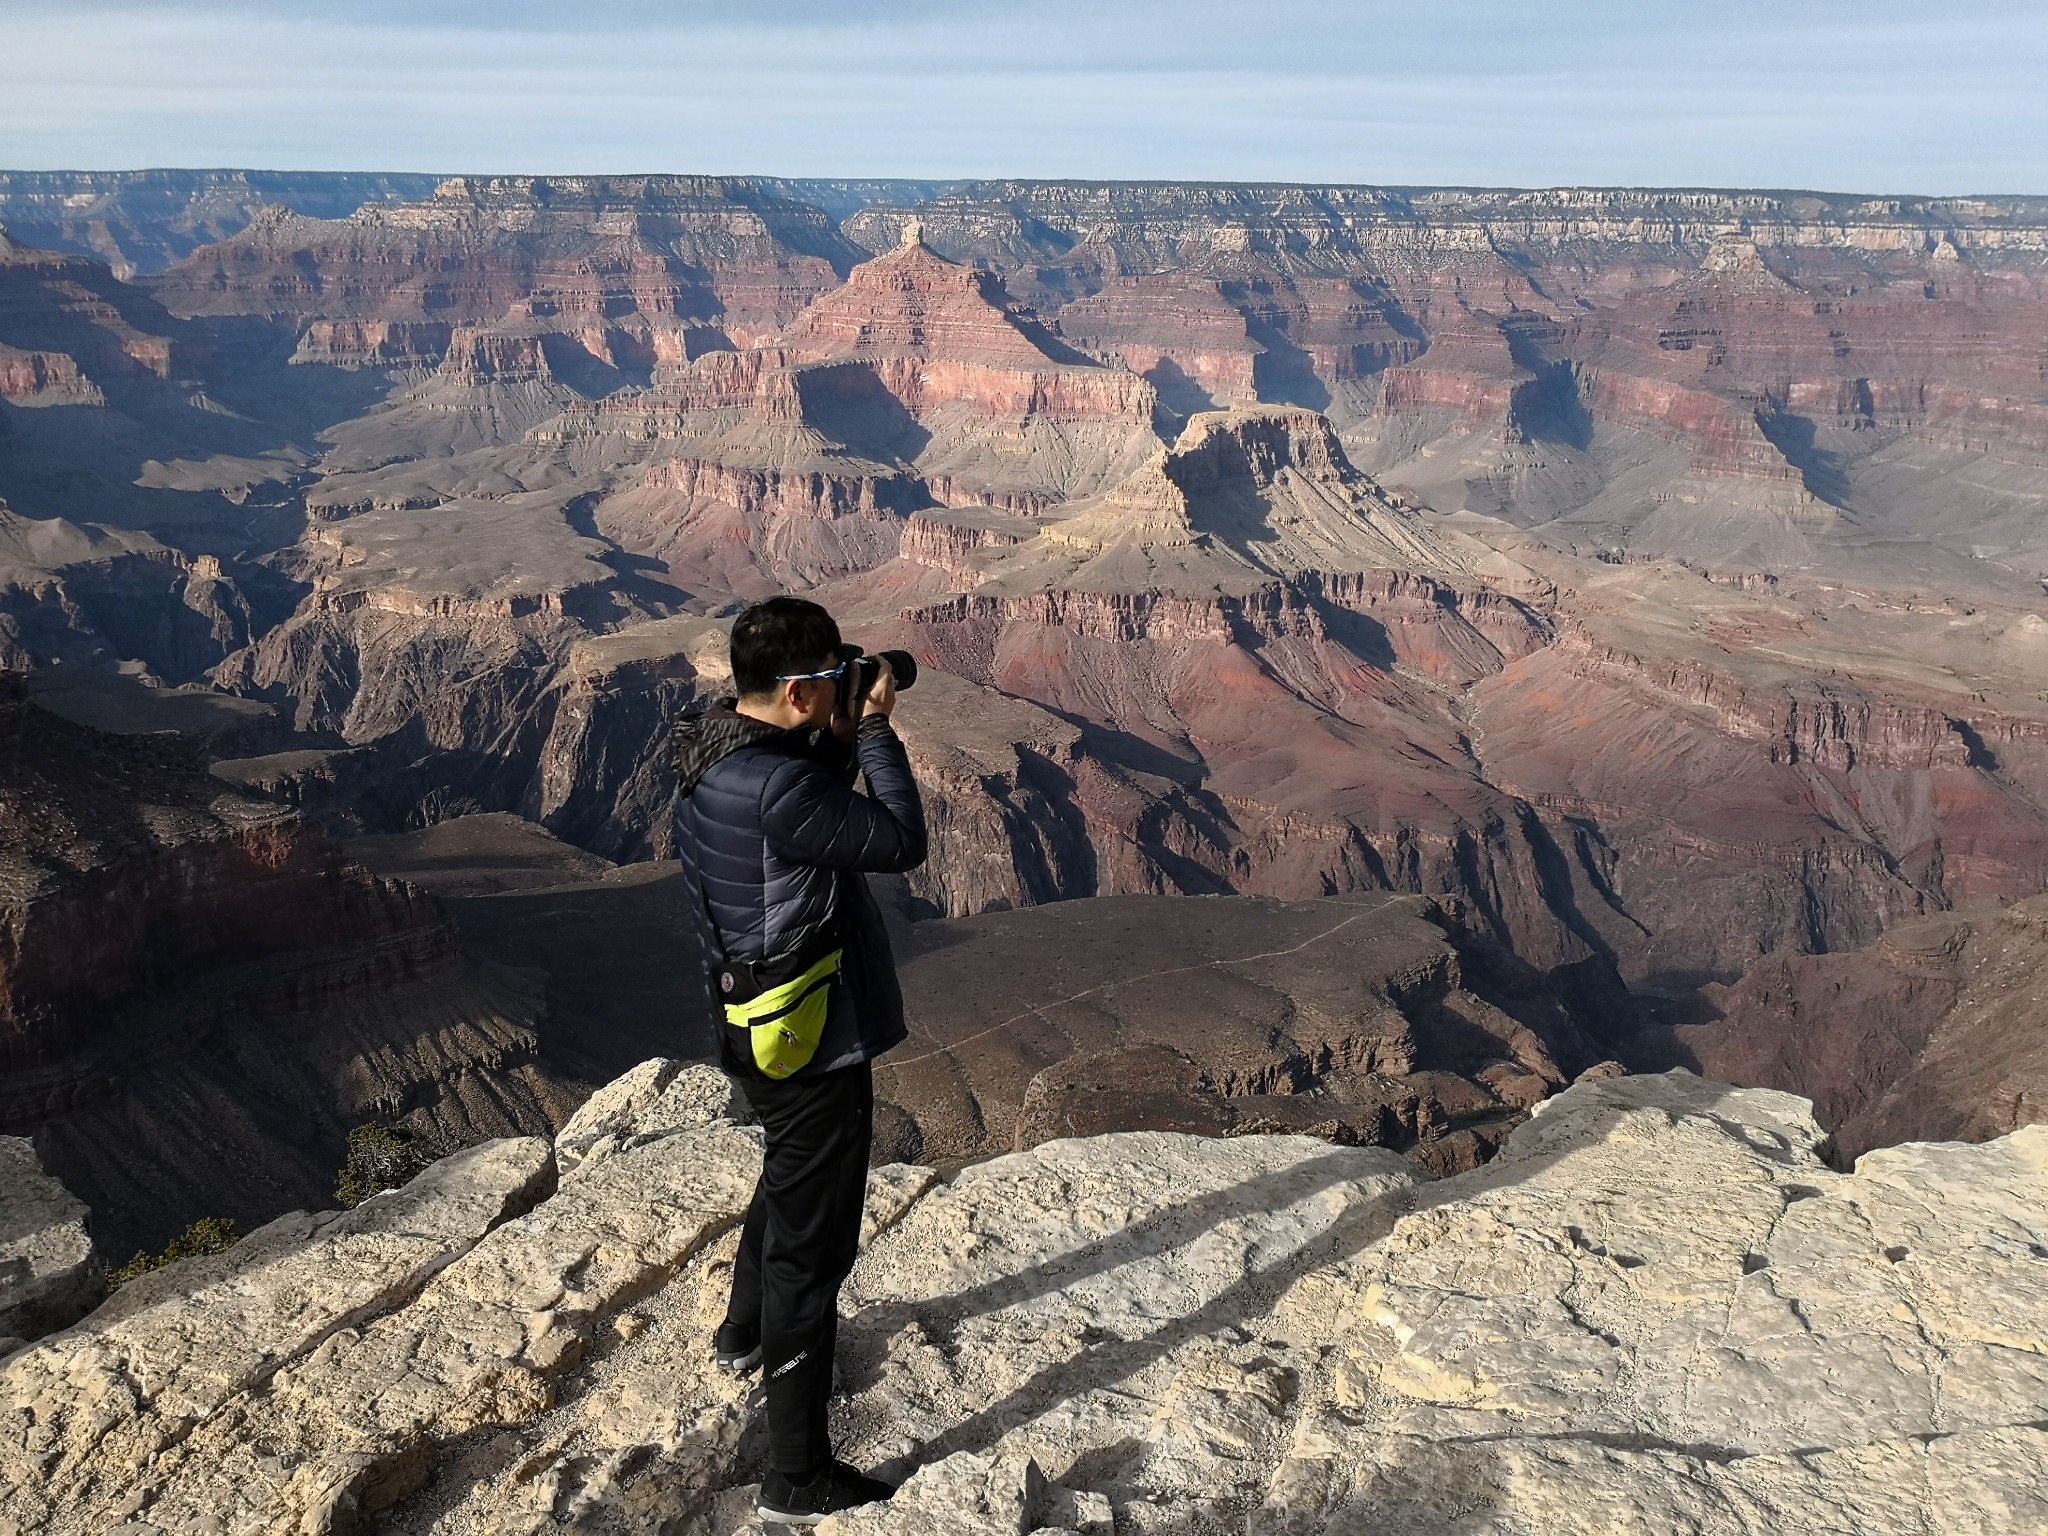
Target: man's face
<point x="814" y="696"/>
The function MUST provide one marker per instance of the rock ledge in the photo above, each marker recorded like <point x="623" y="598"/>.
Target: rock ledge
<point x="1659" y="1309"/>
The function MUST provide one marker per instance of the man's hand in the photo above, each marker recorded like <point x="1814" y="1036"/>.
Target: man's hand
<point x="881" y="694"/>
<point x="880" y="699"/>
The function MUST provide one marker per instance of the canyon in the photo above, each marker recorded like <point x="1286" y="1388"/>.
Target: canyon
<point x="1627" y="607"/>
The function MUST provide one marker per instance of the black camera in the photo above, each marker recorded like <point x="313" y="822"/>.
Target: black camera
<point x="862" y="670"/>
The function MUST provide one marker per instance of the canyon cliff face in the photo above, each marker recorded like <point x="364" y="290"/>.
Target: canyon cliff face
<point x="129" y="863"/>
<point x="140" y="222"/>
<point x="1520" y="353"/>
<point x="1661" y="1298"/>
<point x="97" y="596"/>
<point x="1361" y="630"/>
<point x="916" y="384"/>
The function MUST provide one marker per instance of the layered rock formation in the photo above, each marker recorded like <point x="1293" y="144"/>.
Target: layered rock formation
<point x="1242" y="596"/>
<point x="1529" y="353"/>
<point x="916" y="383"/>
<point x="1292" y="541"/>
<point x="148" y="465"/>
<point x="609" y="261"/>
<point x="142" y="221"/>
<point x="489" y="590"/>
<point x="1660" y="1305"/>
<point x="73" y="306"/>
<point x="1682" y="730"/>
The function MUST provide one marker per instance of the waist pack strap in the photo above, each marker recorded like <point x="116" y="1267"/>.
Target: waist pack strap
<point x="782" y="1024"/>
<point x="777" y="1001"/>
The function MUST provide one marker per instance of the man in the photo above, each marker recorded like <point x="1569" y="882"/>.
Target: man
<point x="781" y="842"/>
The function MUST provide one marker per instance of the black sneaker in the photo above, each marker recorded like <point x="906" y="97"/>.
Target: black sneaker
<point x="736" y="1347"/>
<point x="837" y="1487"/>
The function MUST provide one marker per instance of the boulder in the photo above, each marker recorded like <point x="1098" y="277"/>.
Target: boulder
<point x="50" y="1273"/>
<point x="657" y="1098"/>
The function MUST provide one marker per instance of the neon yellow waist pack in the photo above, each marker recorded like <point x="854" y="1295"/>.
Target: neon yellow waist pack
<point x="777" y="1024"/>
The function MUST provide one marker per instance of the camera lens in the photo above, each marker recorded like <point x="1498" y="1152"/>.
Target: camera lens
<point x="903" y="664"/>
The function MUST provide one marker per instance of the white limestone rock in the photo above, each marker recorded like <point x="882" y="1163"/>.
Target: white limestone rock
<point x="657" y="1098"/>
<point x="613" y="1109"/>
<point x="360" y="1423"/>
<point x="655" y="1439"/>
<point x="1092" y="1301"/>
<point x="1660" y="1309"/>
<point x="970" y="1495"/>
<point x="50" y="1273"/>
<point x="892" y="1190"/>
<point x="84" y="1414"/>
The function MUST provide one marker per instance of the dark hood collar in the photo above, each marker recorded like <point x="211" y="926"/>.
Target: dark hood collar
<point x="702" y="740"/>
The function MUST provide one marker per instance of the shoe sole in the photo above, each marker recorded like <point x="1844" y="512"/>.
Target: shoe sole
<point x="739" y="1363"/>
<point x="786" y="1517"/>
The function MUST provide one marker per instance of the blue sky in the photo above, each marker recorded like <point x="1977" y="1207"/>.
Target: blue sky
<point x="1874" y="96"/>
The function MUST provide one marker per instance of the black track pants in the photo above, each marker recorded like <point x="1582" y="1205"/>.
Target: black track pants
<point x="801" y="1234"/>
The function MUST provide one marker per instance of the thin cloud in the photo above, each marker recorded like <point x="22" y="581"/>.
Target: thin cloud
<point x="1871" y="96"/>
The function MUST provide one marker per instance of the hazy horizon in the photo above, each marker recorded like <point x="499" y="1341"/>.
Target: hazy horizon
<point x="1873" y="97"/>
<point x="1908" y="193"/>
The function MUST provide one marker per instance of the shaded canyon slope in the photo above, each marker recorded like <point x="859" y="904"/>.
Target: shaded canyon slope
<point x="1937" y="1032"/>
<point x="1366" y="1020"/>
<point x="1372" y="1019"/>
<point x="200" y="995"/>
<point x="1654" y="577"/>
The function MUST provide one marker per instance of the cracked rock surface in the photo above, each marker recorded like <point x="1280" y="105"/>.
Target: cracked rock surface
<point x="1660" y="1309"/>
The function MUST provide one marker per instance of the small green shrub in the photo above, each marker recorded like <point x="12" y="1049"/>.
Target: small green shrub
<point x="213" y="1234"/>
<point x="380" y="1157"/>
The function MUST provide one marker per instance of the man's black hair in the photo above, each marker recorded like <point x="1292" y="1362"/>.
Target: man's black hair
<point x="782" y="635"/>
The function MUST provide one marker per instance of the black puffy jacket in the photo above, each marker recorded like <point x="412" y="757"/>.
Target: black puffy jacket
<point x="772" y="825"/>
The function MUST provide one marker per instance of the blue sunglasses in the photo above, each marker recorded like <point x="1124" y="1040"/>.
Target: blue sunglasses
<point x="831" y="674"/>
